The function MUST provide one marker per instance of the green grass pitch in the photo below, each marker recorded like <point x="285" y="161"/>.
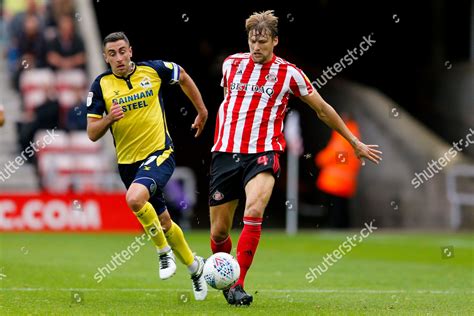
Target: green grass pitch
<point x="389" y="273"/>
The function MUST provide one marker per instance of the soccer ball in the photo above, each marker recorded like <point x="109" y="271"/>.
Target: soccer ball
<point x="221" y="271"/>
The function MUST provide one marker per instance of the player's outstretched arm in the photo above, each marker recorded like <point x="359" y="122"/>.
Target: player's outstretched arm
<point x="97" y="127"/>
<point x="328" y="115"/>
<point x="192" y="92"/>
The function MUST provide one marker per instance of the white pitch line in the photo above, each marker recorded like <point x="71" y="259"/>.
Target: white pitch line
<point x="349" y="291"/>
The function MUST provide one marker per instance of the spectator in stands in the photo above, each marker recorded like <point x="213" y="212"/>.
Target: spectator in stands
<point x="32" y="44"/>
<point x="76" y="116"/>
<point x="338" y="176"/>
<point x="15" y="32"/>
<point x="31" y="48"/>
<point x="15" y="27"/>
<point x="55" y="9"/>
<point x="45" y="116"/>
<point x="67" y="49"/>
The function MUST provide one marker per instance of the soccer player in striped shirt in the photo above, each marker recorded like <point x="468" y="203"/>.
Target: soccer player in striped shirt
<point x="249" y="137"/>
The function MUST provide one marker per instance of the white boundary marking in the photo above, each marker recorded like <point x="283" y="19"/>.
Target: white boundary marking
<point x="349" y="291"/>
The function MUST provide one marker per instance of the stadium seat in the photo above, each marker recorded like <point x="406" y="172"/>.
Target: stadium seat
<point x="60" y="143"/>
<point x="70" y="79"/>
<point x="56" y="171"/>
<point x="34" y="86"/>
<point x="70" y="87"/>
<point x="35" y="78"/>
<point x="87" y="163"/>
<point x="70" y="162"/>
<point x="80" y="142"/>
<point x="70" y="84"/>
<point x="88" y="172"/>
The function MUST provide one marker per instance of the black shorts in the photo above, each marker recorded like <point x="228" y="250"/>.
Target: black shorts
<point x="153" y="172"/>
<point x="231" y="172"/>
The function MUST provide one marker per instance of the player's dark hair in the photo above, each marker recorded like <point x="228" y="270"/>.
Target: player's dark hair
<point x="261" y="22"/>
<point x="115" y="36"/>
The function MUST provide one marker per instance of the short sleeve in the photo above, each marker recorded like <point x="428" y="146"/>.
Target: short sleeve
<point x="225" y="72"/>
<point x="95" y="101"/>
<point x="169" y="72"/>
<point x="224" y="81"/>
<point x="299" y="83"/>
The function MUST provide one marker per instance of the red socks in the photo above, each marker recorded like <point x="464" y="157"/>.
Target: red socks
<point x="221" y="246"/>
<point x="247" y="245"/>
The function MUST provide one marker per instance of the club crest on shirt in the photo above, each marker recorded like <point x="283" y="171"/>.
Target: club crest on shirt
<point x="145" y="83"/>
<point x="271" y="77"/>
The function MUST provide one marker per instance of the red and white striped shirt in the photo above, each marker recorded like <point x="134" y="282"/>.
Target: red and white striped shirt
<point x="250" y="119"/>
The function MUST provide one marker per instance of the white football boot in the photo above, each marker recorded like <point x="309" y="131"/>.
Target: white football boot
<point x="199" y="284"/>
<point x="167" y="264"/>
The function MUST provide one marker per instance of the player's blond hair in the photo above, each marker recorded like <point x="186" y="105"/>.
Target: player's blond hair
<point x="262" y="22"/>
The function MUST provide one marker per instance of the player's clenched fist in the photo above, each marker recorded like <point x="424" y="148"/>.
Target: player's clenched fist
<point x="115" y="113"/>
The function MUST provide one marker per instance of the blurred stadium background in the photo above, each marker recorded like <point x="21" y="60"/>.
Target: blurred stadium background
<point x="411" y="92"/>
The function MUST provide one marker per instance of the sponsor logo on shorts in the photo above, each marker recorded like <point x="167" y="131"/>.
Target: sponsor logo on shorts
<point x="217" y="196"/>
<point x="153" y="188"/>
